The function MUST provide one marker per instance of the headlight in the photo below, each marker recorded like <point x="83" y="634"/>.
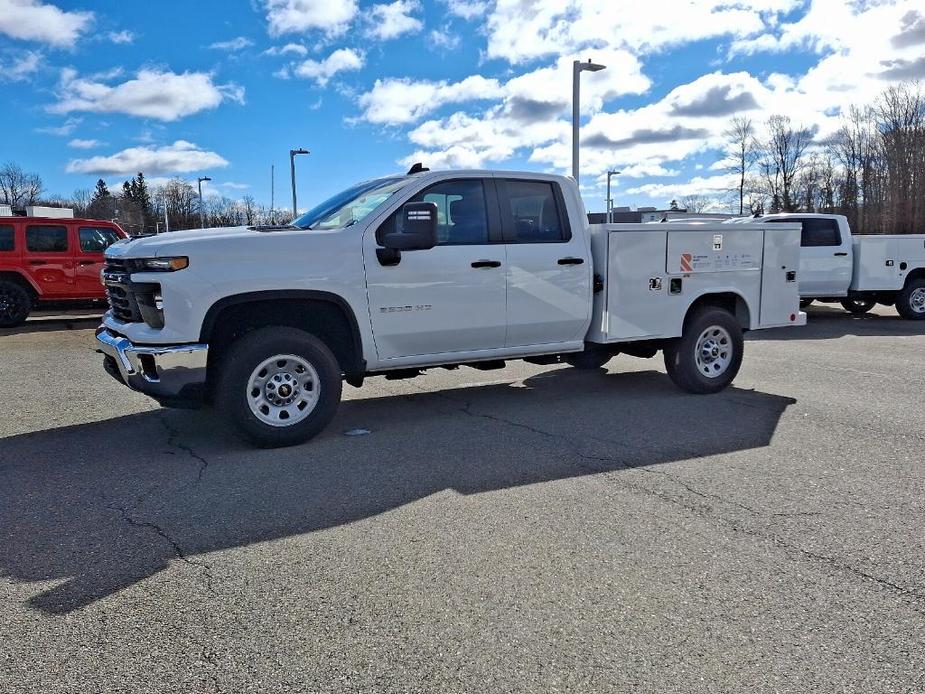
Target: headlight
<point x="162" y="264"/>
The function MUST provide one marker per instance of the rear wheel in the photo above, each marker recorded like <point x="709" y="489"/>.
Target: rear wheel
<point x="15" y="305"/>
<point x="858" y="306"/>
<point x="280" y="386"/>
<point x="707" y="357"/>
<point x="910" y="302"/>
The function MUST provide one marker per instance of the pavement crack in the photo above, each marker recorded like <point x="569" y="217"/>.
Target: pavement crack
<point x="174" y="441"/>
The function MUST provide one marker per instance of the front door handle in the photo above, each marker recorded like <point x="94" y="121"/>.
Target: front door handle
<point x="571" y="261"/>
<point x="842" y="254"/>
<point x="86" y="262"/>
<point x="486" y="263"/>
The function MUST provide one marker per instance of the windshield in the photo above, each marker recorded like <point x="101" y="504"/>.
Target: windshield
<point x="352" y="205"/>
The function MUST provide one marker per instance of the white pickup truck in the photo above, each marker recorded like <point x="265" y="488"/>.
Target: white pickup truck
<point x="857" y="271"/>
<point x="428" y="269"/>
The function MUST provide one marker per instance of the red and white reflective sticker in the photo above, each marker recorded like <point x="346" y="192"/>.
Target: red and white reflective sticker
<point x="687" y="260"/>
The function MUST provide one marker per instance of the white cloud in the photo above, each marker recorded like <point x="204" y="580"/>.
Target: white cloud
<point x="394" y="101"/>
<point x="467" y="9"/>
<point x="153" y="93"/>
<point x="341" y="60"/>
<point x="78" y="143"/>
<point x="124" y="36"/>
<point x="233" y="185"/>
<point x="180" y="157"/>
<point x="33" y="20"/>
<point x="61" y="130"/>
<point x="444" y="39"/>
<point x="699" y="185"/>
<point x="389" y="21"/>
<point x="20" y="68"/>
<point x="332" y="17"/>
<point x="238" y="43"/>
<point x="288" y="49"/>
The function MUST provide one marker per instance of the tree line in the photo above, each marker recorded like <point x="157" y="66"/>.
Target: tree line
<point x="138" y="207"/>
<point x="872" y="169"/>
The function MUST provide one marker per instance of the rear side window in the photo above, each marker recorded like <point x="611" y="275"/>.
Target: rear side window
<point x="46" y="239"/>
<point x="6" y="238"/>
<point x="96" y="239"/>
<point x="533" y="213"/>
<point x="816" y="231"/>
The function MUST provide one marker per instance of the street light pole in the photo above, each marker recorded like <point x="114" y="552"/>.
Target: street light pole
<point x="202" y="216"/>
<point x="577" y="68"/>
<point x="609" y="199"/>
<point x="292" y="156"/>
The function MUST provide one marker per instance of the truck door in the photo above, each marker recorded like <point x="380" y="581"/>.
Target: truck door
<point x="92" y="241"/>
<point x="825" y="257"/>
<point x="49" y="259"/>
<point x="450" y="298"/>
<point x="548" y="265"/>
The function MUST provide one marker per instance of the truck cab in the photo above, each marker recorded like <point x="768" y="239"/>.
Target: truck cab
<point x="826" y="253"/>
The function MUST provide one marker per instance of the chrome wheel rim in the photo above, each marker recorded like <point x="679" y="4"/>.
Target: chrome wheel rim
<point x="714" y="351"/>
<point x="283" y="390"/>
<point x="917" y="300"/>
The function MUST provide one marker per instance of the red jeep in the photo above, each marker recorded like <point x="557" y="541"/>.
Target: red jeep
<point x="45" y="259"/>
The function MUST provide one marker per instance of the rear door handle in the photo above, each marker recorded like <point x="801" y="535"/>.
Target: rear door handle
<point x="571" y="261"/>
<point x="841" y="254"/>
<point x="486" y="263"/>
<point x="86" y="262"/>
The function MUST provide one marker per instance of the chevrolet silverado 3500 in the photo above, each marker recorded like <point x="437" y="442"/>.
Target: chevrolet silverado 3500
<point x="431" y="269"/>
<point x="857" y="270"/>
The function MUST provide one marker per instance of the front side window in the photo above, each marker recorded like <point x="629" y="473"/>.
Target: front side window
<point x="6" y="238"/>
<point x="45" y="238"/>
<point x="462" y="217"/>
<point x="96" y="239"/>
<point x="533" y="212"/>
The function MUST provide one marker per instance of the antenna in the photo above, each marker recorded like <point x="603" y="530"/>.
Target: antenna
<point x="416" y="168"/>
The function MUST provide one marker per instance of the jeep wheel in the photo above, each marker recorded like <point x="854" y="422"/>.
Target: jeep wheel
<point x="280" y="386"/>
<point x="15" y="305"/>
<point x="707" y="357"/>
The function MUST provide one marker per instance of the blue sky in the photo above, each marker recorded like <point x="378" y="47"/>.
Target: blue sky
<point x="105" y="88"/>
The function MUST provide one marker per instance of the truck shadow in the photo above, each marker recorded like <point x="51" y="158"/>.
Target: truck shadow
<point x="98" y="507"/>
<point x="825" y="323"/>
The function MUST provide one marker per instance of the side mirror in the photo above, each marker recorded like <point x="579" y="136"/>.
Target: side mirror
<point x="419" y="228"/>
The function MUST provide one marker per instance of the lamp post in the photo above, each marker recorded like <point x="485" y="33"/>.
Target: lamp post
<point x="609" y="199"/>
<point x="292" y="156"/>
<point x="577" y="68"/>
<point x="202" y="216"/>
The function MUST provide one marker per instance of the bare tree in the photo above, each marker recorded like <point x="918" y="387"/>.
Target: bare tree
<point x="696" y="203"/>
<point x="782" y="159"/>
<point x="741" y="153"/>
<point x="17" y="187"/>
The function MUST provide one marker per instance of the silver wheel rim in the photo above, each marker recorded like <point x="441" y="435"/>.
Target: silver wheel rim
<point x="714" y="351"/>
<point x="917" y="300"/>
<point x="283" y="390"/>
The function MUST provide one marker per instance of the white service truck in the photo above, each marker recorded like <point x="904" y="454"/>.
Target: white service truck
<point x="431" y="269"/>
<point x="857" y="271"/>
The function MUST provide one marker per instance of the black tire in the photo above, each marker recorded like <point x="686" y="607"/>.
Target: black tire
<point x="806" y="303"/>
<point x="589" y="360"/>
<point x="681" y="356"/>
<point x="909" y="302"/>
<point x="15" y="305"/>
<point x="250" y="352"/>
<point x="858" y="306"/>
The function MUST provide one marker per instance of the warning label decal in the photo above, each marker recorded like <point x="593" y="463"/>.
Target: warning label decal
<point x="686" y="260"/>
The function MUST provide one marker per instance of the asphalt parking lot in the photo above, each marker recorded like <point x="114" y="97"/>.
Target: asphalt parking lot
<point x="534" y="529"/>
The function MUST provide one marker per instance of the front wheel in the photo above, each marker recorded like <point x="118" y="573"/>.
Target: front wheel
<point x="707" y="356"/>
<point x="280" y="386"/>
<point x="910" y="302"/>
<point x="15" y="305"/>
<point x="858" y="306"/>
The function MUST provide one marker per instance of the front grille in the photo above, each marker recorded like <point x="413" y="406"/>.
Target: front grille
<point x="122" y="301"/>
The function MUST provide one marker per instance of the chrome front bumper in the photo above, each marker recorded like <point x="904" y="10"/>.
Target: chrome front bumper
<point x="165" y="372"/>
